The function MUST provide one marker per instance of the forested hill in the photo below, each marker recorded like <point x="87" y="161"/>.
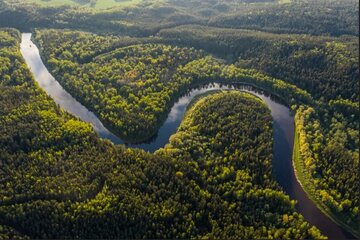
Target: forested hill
<point x="334" y="17"/>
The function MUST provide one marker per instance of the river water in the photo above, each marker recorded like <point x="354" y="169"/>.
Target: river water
<point x="283" y="126"/>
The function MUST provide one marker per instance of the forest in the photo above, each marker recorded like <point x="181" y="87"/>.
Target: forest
<point x="214" y="178"/>
<point x="59" y="180"/>
<point x="332" y="17"/>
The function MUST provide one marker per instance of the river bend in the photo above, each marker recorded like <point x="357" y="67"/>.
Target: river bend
<point x="283" y="126"/>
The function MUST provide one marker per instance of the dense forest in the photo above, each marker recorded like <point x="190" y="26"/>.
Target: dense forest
<point x="324" y="66"/>
<point x="334" y="17"/>
<point x="334" y="123"/>
<point x="214" y="178"/>
<point x="131" y="88"/>
<point x="59" y="180"/>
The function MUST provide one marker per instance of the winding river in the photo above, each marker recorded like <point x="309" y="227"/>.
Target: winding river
<point x="283" y="125"/>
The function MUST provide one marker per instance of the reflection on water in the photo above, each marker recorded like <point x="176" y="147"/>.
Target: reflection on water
<point x="47" y="82"/>
<point x="177" y="112"/>
<point x="283" y="125"/>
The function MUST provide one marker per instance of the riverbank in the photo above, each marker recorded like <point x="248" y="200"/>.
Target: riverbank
<point x="305" y="180"/>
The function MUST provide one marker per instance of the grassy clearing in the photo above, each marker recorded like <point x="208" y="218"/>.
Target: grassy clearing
<point x="305" y="180"/>
<point x="99" y="4"/>
<point x="284" y="1"/>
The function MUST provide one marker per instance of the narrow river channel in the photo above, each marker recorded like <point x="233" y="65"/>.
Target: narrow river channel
<point x="283" y="124"/>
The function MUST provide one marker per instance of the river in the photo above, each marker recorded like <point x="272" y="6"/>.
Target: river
<point x="283" y="126"/>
